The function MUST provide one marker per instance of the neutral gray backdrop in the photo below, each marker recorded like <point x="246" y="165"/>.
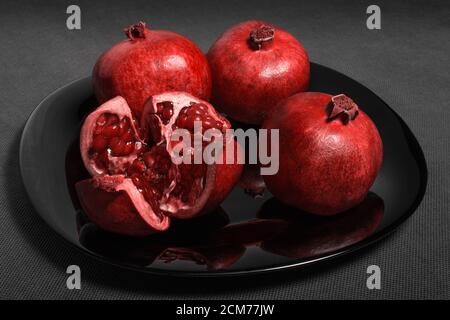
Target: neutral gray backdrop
<point x="406" y="64"/>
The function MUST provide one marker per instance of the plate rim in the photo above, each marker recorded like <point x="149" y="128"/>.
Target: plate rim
<point x="413" y="144"/>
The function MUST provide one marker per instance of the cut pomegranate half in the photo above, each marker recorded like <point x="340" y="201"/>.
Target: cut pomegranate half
<point x="169" y="111"/>
<point x="109" y="140"/>
<point x="136" y="182"/>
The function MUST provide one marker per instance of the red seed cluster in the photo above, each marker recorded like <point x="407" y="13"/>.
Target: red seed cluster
<point x="112" y="136"/>
<point x="149" y="174"/>
<point x="196" y="112"/>
<point x="165" y="111"/>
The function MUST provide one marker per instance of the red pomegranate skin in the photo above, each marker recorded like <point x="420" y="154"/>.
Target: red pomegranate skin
<point x="326" y="165"/>
<point x="118" y="211"/>
<point x="227" y="176"/>
<point x="148" y="63"/>
<point x="250" y="79"/>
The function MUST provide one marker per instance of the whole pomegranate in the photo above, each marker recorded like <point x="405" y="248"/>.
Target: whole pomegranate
<point x="329" y="153"/>
<point x="150" y="62"/>
<point x="136" y="185"/>
<point x="254" y="65"/>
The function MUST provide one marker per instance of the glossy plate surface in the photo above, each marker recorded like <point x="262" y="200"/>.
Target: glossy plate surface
<point x="246" y="236"/>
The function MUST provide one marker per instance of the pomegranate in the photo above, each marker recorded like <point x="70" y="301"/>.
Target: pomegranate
<point x="254" y="65"/>
<point x="313" y="236"/>
<point x="329" y="153"/>
<point x="136" y="187"/>
<point x="150" y="62"/>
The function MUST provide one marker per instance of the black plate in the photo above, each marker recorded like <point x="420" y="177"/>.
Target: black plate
<point x="246" y="236"/>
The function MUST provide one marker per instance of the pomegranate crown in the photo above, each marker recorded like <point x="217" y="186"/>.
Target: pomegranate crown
<point x="261" y="35"/>
<point x="135" y="31"/>
<point x="343" y="107"/>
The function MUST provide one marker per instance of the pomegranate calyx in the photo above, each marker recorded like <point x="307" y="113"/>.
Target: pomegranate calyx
<point x="136" y="31"/>
<point x="344" y="107"/>
<point x="261" y="35"/>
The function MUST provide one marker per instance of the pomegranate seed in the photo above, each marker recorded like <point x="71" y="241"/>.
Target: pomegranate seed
<point x="165" y="111"/>
<point x="128" y="147"/>
<point x="218" y="125"/>
<point x="101" y="159"/>
<point x="148" y="159"/>
<point x="137" y="166"/>
<point x="124" y="126"/>
<point x="208" y="123"/>
<point x="167" y="114"/>
<point x="111" y="130"/>
<point x="201" y="106"/>
<point x="112" y="119"/>
<point x="162" y="105"/>
<point x="183" y="111"/>
<point x="127" y="136"/>
<point x="117" y="146"/>
<point x="181" y="121"/>
<point x="141" y="167"/>
<point x="98" y="130"/>
<point x="101" y="120"/>
<point x="99" y="143"/>
<point x="196" y="111"/>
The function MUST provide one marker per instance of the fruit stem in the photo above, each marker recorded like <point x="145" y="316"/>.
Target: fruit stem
<point x="135" y="31"/>
<point x="261" y="35"/>
<point x="343" y="107"/>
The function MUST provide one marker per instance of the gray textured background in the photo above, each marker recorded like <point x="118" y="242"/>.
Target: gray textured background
<point x="406" y="63"/>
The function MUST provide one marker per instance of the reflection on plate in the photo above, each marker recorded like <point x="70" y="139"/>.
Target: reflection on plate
<point x="214" y="244"/>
